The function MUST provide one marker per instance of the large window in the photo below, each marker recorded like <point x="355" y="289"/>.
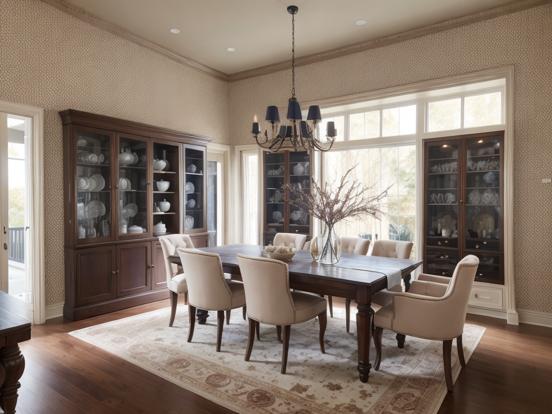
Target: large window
<point x="391" y="167"/>
<point x="250" y="197"/>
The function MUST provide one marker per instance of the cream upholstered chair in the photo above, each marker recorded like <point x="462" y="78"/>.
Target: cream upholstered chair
<point x="208" y="289"/>
<point x="290" y="239"/>
<point x="351" y="245"/>
<point x="430" y="310"/>
<point x="176" y="283"/>
<point x="392" y="248"/>
<point x="269" y="300"/>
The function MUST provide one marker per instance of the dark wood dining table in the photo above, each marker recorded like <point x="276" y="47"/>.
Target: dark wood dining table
<point x="354" y="277"/>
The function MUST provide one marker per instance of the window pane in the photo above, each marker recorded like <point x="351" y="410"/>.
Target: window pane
<point x="399" y="121"/>
<point x="364" y="125"/>
<point x="483" y="109"/>
<point x="380" y="168"/>
<point x="250" y="177"/>
<point x="443" y="115"/>
<point x="339" y="122"/>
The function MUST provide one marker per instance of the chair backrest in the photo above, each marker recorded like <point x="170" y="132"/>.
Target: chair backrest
<point x="290" y="239"/>
<point x="354" y="245"/>
<point x="458" y="292"/>
<point x="267" y="295"/>
<point x="392" y="248"/>
<point x="169" y="244"/>
<point x="207" y="288"/>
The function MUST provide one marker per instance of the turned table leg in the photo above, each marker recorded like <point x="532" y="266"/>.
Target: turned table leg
<point x="13" y="364"/>
<point x="364" y="333"/>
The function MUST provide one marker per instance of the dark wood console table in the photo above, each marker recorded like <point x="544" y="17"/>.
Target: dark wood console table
<point x="13" y="329"/>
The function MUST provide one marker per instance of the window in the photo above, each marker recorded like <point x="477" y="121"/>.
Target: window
<point x="380" y="168"/>
<point x="445" y="114"/>
<point x="399" y="121"/>
<point x="483" y="109"/>
<point x="364" y="125"/>
<point x="250" y="200"/>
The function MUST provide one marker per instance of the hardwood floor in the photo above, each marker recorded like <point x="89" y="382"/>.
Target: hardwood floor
<point x="510" y="372"/>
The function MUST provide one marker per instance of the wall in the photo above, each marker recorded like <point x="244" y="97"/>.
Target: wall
<point x="54" y="61"/>
<point x="523" y="39"/>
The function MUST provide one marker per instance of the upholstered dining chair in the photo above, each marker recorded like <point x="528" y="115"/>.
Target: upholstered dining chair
<point x="430" y="310"/>
<point x="351" y="245"/>
<point x="208" y="289"/>
<point x="290" y="239"/>
<point x="270" y="301"/>
<point x="176" y="283"/>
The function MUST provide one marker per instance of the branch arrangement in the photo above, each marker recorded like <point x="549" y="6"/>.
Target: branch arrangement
<point x="350" y="199"/>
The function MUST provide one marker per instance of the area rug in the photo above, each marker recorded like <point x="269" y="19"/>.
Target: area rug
<point x="410" y="380"/>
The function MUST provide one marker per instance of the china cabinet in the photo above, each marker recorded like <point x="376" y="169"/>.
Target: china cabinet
<point x="280" y="215"/>
<point x="125" y="184"/>
<point x="464" y="180"/>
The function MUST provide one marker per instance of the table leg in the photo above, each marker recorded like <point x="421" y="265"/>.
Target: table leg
<point x="13" y="365"/>
<point x="400" y="337"/>
<point x="364" y="333"/>
<point x="202" y="316"/>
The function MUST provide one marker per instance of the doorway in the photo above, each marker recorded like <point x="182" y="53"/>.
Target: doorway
<point x="21" y="257"/>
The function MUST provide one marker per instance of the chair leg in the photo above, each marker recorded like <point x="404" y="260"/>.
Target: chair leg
<point x="258" y="329"/>
<point x="447" y="347"/>
<point x="250" y="338"/>
<point x="174" y="302"/>
<point x="330" y="302"/>
<point x="228" y="316"/>
<point x="285" y="348"/>
<point x="279" y="332"/>
<point x="192" y="318"/>
<point x="185" y="298"/>
<point x="400" y="340"/>
<point x="323" y="320"/>
<point x="378" y="333"/>
<point x="244" y="312"/>
<point x="347" y="314"/>
<point x="220" y="325"/>
<point x="460" y="351"/>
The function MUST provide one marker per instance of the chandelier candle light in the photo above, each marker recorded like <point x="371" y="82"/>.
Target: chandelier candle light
<point x="296" y="134"/>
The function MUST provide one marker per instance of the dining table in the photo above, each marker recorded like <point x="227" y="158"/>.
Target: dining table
<point x="355" y="277"/>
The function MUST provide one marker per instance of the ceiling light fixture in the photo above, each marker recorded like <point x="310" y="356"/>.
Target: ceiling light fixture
<point x="175" y="30"/>
<point x="296" y="134"/>
<point x="361" y="22"/>
<point x="231" y="49"/>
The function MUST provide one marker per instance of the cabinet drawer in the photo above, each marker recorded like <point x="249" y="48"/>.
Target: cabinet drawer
<point x="486" y="297"/>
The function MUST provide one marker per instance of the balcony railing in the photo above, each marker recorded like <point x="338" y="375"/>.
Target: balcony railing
<point x="16" y="244"/>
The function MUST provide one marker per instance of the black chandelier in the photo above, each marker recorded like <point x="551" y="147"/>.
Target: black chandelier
<point x="296" y="134"/>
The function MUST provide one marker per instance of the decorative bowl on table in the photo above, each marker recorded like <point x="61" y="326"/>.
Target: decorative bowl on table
<point x="283" y="253"/>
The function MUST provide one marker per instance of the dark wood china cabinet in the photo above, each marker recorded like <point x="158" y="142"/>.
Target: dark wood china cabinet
<point x="125" y="184"/>
<point x="280" y="215"/>
<point x="463" y="206"/>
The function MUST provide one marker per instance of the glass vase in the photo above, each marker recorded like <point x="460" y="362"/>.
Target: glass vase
<point x="329" y="246"/>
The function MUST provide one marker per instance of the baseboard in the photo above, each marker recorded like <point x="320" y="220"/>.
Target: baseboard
<point x="487" y="312"/>
<point x="55" y="310"/>
<point x="535" y="317"/>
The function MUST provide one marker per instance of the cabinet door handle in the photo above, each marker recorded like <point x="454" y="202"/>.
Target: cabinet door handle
<point x="114" y="272"/>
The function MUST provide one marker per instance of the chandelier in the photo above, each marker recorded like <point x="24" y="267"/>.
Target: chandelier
<point x="296" y="134"/>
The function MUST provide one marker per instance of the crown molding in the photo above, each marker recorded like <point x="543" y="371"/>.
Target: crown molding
<point x="508" y="8"/>
<point x="117" y="30"/>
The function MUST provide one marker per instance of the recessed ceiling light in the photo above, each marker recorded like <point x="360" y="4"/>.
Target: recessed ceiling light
<point x="231" y="49"/>
<point x="361" y="22"/>
<point x="174" y="30"/>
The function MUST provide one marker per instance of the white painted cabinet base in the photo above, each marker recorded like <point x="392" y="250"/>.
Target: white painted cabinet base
<point x="487" y="296"/>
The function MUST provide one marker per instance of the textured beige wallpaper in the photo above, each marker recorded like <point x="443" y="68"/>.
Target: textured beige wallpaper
<point x="52" y="60"/>
<point x="523" y="39"/>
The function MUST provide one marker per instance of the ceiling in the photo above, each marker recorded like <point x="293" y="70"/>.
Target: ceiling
<point x="259" y="30"/>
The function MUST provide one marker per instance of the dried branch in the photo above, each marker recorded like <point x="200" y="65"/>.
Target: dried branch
<point x="350" y="199"/>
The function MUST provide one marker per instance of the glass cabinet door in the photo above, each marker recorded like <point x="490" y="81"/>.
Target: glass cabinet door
<point x="93" y="185"/>
<point x="442" y="207"/>
<point x="299" y="178"/>
<point x="132" y="187"/>
<point x="483" y="206"/>
<point x="194" y="162"/>
<point x="274" y="180"/>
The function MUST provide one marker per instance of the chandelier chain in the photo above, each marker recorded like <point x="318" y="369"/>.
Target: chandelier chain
<point x="293" y="55"/>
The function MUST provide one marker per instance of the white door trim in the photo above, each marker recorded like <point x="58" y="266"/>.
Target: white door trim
<point x="36" y="215"/>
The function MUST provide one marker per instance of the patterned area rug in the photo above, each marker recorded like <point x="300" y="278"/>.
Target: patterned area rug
<point x="410" y="380"/>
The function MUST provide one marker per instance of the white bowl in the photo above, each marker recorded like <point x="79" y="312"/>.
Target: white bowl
<point x="162" y="185"/>
<point x="164" y="206"/>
